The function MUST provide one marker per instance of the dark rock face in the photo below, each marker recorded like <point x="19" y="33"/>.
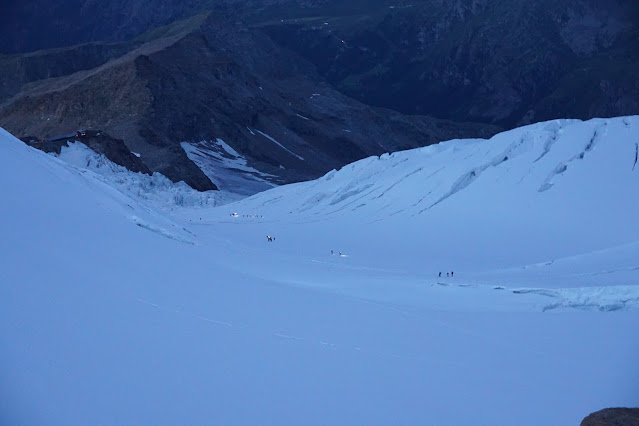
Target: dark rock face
<point x="613" y="417"/>
<point x="206" y="78"/>
<point x="27" y="26"/>
<point x="508" y="62"/>
<point x="116" y="151"/>
<point x="42" y="24"/>
<point x="499" y="61"/>
<point x="20" y="70"/>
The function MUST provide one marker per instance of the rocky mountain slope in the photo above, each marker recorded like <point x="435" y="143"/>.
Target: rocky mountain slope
<point x="498" y="61"/>
<point x="203" y="79"/>
<point x="613" y="417"/>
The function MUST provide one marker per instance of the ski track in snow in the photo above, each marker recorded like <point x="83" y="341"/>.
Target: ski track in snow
<point x="157" y="230"/>
<point x="285" y="337"/>
<point x="483" y="336"/>
<point x="321" y="344"/>
<point x="179" y="312"/>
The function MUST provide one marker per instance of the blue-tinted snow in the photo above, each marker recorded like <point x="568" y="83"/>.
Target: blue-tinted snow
<point x="116" y="309"/>
<point x="227" y="168"/>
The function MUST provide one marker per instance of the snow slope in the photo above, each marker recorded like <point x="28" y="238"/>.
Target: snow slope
<point x="225" y="166"/>
<point x="115" y="309"/>
<point x="532" y="196"/>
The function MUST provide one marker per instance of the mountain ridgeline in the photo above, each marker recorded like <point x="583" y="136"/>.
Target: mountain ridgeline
<point x="497" y="61"/>
<point x="297" y="88"/>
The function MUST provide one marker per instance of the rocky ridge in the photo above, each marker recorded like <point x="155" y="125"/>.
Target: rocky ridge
<point x="613" y="417"/>
<point x="206" y="78"/>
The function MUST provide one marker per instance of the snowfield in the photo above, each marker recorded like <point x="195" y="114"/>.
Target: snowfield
<point x="227" y="168"/>
<point x="119" y="305"/>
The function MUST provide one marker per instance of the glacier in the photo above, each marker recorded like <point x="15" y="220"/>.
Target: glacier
<point x="120" y="305"/>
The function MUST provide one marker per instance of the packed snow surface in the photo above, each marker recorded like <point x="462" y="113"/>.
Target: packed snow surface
<point x="123" y="308"/>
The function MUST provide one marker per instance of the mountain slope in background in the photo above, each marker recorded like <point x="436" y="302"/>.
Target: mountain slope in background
<point x="137" y="311"/>
<point x="497" y="61"/>
<point x="202" y="80"/>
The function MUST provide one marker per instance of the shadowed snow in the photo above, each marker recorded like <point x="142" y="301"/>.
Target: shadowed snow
<point x="118" y="305"/>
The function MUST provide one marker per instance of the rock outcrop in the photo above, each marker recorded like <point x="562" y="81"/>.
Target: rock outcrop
<point x="613" y="417"/>
<point x="113" y="149"/>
